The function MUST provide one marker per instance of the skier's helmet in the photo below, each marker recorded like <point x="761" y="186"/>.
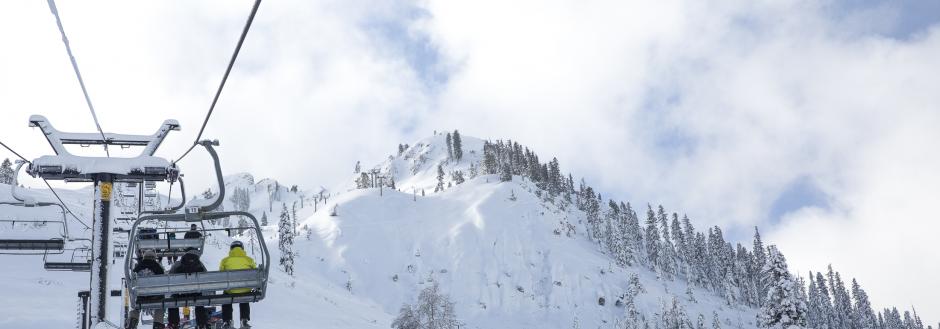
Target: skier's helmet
<point x="237" y="243"/>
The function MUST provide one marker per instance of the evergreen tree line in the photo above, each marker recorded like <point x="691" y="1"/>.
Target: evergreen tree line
<point x="831" y="306"/>
<point x="676" y="250"/>
<point x="508" y="159"/>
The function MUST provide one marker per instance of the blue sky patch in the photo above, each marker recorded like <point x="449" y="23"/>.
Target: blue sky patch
<point x="800" y="193"/>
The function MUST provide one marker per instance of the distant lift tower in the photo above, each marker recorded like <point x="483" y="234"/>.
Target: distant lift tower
<point x="103" y="172"/>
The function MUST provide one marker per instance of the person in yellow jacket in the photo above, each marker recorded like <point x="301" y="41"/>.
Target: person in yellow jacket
<point x="237" y="260"/>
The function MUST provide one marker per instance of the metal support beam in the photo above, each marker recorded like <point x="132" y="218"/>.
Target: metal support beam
<point x="101" y="237"/>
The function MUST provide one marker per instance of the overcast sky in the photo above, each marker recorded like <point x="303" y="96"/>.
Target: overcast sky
<point x="817" y="120"/>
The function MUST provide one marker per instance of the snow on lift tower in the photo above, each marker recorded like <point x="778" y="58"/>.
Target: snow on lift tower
<point x="33" y="245"/>
<point x="103" y="172"/>
<point x="197" y="289"/>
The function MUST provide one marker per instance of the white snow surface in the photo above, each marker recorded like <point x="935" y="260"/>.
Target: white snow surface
<point x="498" y="259"/>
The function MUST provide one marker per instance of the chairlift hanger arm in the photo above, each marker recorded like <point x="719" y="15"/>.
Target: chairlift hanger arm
<point x="203" y="206"/>
<point x="172" y="209"/>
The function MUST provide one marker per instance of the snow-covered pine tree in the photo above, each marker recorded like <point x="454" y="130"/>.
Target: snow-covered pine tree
<point x="667" y="252"/>
<point x="458" y="146"/>
<point x="440" y="179"/>
<point x="450" y="146"/>
<point x="841" y="301"/>
<point x="6" y="172"/>
<point x="782" y="307"/>
<point x="679" y="240"/>
<point x="909" y="321"/>
<point x="363" y="181"/>
<point x="592" y="210"/>
<point x="555" y="180"/>
<point x="689" y="231"/>
<point x="864" y="315"/>
<point x="293" y="212"/>
<point x="286" y="242"/>
<point x="918" y="323"/>
<point x="814" y="313"/>
<point x="653" y="243"/>
<point x="264" y="218"/>
<point x="747" y="290"/>
<point x="824" y="302"/>
<point x="610" y="233"/>
<point x="505" y="174"/>
<point x="624" y="249"/>
<point x="490" y="166"/>
<point x="242" y="224"/>
<point x="632" y="315"/>
<point x="407" y="319"/>
<point x="673" y="316"/>
<point x="760" y="257"/>
<point x="716" y="321"/>
<point x="634" y="235"/>
<point x="701" y="261"/>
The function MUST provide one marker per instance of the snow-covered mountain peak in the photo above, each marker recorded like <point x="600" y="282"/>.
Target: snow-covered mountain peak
<point x="414" y="166"/>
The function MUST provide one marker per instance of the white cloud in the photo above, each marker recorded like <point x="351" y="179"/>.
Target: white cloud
<point x="747" y="98"/>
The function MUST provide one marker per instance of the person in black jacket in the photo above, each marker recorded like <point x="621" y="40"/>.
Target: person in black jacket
<point x="189" y="263"/>
<point x="193" y="233"/>
<point x="147" y="266"/>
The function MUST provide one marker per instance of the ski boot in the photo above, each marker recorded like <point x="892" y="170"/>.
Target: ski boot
<point x="245" y="325"/>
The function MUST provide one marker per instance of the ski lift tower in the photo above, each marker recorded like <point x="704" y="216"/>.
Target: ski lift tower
<point x="103" y="172"/>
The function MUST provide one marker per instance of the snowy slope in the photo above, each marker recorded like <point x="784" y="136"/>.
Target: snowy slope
<point x="499" y="259"/>
<point x="491" y="246"/>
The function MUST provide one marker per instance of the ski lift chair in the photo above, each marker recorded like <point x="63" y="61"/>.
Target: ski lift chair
<point x="32" y="246"/>
<point x="161" y="243"/>
<point x="80" y="260"/>
<point x="197" y="289"/>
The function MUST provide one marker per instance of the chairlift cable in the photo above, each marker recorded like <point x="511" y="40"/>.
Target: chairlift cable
<point x="78" y="74"/>
<point x="231" y="63"/>
<point x="64" y="205"/>
<point x="14" y="152"/>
